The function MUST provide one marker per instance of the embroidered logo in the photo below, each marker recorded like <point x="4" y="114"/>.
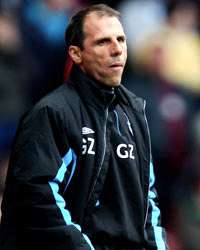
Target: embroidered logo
<point x="125" y="151"/>
<point x="88" y="142"/>
<point x="86" y="131"/>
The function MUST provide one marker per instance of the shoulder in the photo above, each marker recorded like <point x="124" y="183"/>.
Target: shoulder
<point x="59" y="99"/>
<point x="57" y="105"/>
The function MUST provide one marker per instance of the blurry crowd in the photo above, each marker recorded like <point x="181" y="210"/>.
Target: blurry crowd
<point x="163" y="39"/>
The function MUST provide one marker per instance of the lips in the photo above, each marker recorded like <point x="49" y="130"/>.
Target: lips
<point x="116" y="65"/>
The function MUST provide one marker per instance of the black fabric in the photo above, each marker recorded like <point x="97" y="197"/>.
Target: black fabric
<point x="120" y="213"/>
<point x="74" y="129"/>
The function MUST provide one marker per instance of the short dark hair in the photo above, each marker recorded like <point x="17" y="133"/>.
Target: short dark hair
<point x="74" y="34"/>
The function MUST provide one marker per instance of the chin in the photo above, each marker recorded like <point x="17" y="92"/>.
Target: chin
<point x="116" y="83"/>
<point x="111" y="82"/>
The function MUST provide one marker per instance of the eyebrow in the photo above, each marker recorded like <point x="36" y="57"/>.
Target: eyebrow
<point x="102" y="39"/>
<point x="107" y="38"/>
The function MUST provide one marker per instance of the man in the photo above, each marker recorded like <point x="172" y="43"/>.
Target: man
<point x="80" y="174"/>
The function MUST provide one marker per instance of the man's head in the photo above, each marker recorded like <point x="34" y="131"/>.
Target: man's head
<point x="96" y="43"/>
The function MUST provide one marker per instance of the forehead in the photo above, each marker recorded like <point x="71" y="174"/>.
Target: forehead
<point x="98" y="26"/>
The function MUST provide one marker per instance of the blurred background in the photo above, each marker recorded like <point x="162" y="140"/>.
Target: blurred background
<point x="163" y="39"/>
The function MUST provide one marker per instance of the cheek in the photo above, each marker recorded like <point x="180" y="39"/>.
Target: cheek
<point x="95" y="62"/>
<point x="91" y="58"/>
<point x="125" y="52"/>
<point x="91" y="65"/>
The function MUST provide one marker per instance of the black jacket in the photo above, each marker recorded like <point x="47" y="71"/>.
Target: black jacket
<point x="60" y="190"/>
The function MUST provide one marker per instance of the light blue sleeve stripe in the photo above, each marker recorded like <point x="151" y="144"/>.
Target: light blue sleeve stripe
<point x="60" y="202"/>
<point x="62" y="170"/>
<point x="88" y="241"/>
<point x="152" y="195"/>
<point x="68" y="157"/>
<point x="73" y="169"/>
<point x="155" y="213"/>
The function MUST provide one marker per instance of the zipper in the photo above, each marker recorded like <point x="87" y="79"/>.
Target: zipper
<point x="104" y="149"/>
<point x="145" y="118"/>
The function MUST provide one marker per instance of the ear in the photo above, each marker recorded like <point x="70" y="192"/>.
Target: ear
<point x="75" y="54"/>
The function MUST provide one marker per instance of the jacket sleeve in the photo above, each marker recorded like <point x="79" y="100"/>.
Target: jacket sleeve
<point x="156" y="237"/>
<point x="38" y="176"/>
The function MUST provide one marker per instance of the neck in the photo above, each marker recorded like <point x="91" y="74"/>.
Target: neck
<point x="94" y="81"/>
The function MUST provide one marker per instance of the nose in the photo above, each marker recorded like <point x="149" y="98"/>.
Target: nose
<point x="116" y="48"/>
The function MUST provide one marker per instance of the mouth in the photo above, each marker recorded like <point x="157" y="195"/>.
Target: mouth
<point x="117" y="65"/>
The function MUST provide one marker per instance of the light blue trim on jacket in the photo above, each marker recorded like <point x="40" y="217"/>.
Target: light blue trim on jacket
<point x="155" y="213"/>
<point x="117" y="121"/>
<point x="128" y="123"/>
<point x="54" y="184"/>
<point x="73" y="169"/>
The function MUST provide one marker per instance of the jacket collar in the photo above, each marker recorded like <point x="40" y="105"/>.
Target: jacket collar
<point x="93" y="92"/>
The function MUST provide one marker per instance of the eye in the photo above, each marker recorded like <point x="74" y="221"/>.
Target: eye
<point x="103" y="41"/>
<point x="121" y="39"/>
